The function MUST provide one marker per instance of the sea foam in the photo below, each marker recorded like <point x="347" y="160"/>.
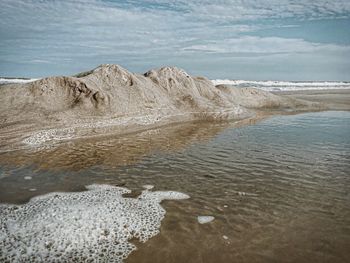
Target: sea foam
<point x="270" y="85"/>
<point x="15" y="81"/>
<point x="90" y="226"/>
<point x="205" y="219"/>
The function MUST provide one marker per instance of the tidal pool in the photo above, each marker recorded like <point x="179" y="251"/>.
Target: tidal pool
<point x="279" y="189"/>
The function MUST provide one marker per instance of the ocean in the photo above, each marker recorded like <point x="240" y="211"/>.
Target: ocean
<point x="268" y="85"/>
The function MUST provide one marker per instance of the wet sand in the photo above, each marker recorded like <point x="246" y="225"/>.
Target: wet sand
<point x="334" y="99"/>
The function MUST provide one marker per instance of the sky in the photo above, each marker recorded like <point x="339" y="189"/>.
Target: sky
<point x="219" y="39"/>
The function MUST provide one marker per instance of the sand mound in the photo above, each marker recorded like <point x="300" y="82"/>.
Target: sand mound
<point x="111" y="98"/>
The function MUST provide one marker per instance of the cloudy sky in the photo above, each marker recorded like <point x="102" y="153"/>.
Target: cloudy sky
<point x="236" y="39"/>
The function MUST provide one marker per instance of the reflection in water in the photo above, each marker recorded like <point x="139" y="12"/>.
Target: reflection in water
<point x="279" y="190"/>
<point x="114" y="151"/>
<point x="70" y="166"/>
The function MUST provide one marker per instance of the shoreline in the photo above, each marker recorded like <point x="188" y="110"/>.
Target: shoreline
<point x="334" y="99"/>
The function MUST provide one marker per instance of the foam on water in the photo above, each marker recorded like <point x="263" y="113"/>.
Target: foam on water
<point x="285" y="85"/>
<point x="59" y="134"/>
<point x="91" y="226"/>
<point x="205" y="219"/>
<point x="49" y="135"/>
<point x="148" y="186"/>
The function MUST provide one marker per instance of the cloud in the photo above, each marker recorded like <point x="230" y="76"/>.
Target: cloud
<point x="74" y="34"/>
<point x="265" y="45"/>
<point x="252" y="9"/>
<point x="40" y="61"/>
<point x="258" y="9"/>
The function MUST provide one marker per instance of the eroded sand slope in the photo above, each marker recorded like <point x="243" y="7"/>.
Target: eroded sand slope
<point x="111" y="99"/>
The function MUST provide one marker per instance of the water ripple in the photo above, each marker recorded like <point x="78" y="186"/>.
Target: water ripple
<point x="278" y="189"/>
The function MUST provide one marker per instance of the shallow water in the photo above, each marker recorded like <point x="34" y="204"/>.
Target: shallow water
<point x="279" y="190"/>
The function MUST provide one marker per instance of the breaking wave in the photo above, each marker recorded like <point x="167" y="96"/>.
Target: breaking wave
<point x="285" y="85"/>
<point x="15" y="81"/>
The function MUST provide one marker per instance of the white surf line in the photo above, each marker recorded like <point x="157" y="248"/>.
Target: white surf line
<point x="15" y="81"/>
<point x="284" y="85"/>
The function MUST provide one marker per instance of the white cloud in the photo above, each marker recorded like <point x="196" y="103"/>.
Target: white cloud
<point x="152" y="32"/>
<point x="40" y="61"/>
<point x="265" y="45"/>
<point x="254" y="9"/>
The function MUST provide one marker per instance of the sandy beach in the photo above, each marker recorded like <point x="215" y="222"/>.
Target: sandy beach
<point x="174" y="131"/>
<point x="334" y="99"/>
<point x="164" y="166"/>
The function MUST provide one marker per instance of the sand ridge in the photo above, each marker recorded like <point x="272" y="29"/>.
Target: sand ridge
<point x="110" y="99"/>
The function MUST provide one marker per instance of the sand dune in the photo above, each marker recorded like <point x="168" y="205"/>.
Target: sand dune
<point x="110" y="99"/>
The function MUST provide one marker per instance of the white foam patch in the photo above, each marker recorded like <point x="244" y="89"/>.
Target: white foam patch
<point x="205" y="219"/>
<point x="148" y="186"/>
<point x="270" y="85"/>
<point x="245" y="193"/>
<point x="91" y="226"/>
<point x="36" y="139"/>
<point x="49" y="135"/>
<point x="15" y="81"/>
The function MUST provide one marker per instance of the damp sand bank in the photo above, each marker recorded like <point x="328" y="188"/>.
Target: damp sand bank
<point x="334" y="99"/>
<point x="111" y="100"/>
